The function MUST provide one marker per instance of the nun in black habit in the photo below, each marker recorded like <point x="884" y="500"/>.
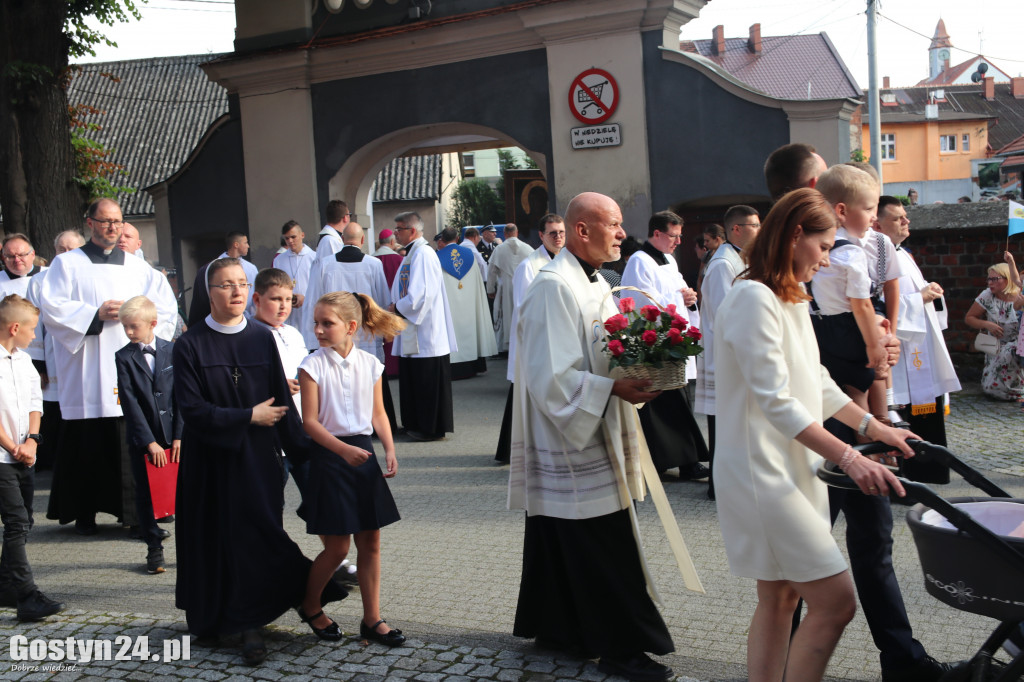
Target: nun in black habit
<point x="238" y="569"/>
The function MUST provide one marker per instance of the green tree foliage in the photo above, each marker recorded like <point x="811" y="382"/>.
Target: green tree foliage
<point x="474" y="202"/>
<point x="858" y="156"/>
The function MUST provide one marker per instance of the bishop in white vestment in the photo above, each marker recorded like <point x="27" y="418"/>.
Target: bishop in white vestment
<point x="467" y="298"/>
<point x="500" y="269"/>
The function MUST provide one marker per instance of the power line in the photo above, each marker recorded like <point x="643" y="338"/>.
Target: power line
<point x="970" y="52"/>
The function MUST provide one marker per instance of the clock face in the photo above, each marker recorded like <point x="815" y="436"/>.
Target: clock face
<point x="943" y="54"/>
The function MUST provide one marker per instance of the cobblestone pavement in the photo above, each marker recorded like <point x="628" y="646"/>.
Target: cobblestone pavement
<point x="451" y="571"/>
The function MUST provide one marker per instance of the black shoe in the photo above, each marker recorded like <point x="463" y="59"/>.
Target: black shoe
<point x="424" y="437"/>
<point x="254" y="649"/>
<point x="37" y="606"/>
<point x="86" y="527"/>
<point x="163" y="533"/>
<point x="331" y="633"/>
<point x="695" y="472"/>
<point x="166" y="519"/>
<point x="925" y="670"/>
<point x="389" y="638"/>
<point x="8" y="598"/>
<point x="639" y="667"/>
<point x="155" y="561"/>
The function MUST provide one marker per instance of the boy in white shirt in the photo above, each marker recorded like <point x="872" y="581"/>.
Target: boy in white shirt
<point x="843" y="311"/>
<point x="21" y="408"/>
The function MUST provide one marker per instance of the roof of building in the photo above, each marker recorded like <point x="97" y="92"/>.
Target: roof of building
<point x="409" y="178"/>
<point x="962" y="102"/>
<point x="152" y="112"/>
<point x="788" y="67"/>
<point x="1013" y="147"/>
<point x="950" y="75"/>
<point x="941" y="38"/>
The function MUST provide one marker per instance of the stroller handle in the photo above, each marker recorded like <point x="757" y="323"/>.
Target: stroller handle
<point x="832" y="475"/>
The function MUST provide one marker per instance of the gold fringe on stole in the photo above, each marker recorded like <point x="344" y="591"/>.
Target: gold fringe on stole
<point x="928" y="408"/>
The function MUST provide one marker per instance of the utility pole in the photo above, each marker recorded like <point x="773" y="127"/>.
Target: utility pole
<point x="874" y="115"/>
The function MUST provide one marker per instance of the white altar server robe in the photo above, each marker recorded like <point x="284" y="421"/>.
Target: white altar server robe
<point x="20" y="286"/>
<point x="419" y="295"/>
<point x="719" y="276"/>
<point x="924" y="370"/>
<point x="500" y="269"/>
<point x="72" y="292"/>
<point x="664" y="281"/>
<point x="521" y="281"/>
<point x="297" y="266"/>
<point x="363" y="276"/>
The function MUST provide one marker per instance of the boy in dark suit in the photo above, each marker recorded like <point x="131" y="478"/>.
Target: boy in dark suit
<point x="145" y="385"/>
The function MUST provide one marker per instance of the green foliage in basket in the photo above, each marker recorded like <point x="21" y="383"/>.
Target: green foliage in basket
<point x="650" y="336"/>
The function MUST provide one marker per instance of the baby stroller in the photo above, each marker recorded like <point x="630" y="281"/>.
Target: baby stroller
<point x="967" y="560"/>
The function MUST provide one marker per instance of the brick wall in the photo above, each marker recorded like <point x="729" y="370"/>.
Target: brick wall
<point x="954" y="245"/>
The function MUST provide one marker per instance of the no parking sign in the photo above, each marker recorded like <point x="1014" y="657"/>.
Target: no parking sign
<point x="593" y="96"/>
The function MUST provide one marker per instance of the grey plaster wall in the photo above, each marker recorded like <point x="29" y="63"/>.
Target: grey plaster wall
<point x="702" y="140"/>
<point x="507" y="92"/>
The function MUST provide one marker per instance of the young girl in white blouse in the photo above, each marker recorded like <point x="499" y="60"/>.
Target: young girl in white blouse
<point x="347" y="494"/>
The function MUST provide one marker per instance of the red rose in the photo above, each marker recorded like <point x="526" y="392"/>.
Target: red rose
<point x="679" y="322"/>
<point x="627" y="305"/>
<point x="694" y="333"/>
<point x="650" y="336"/>
<point x="616" y="348"/>
<point x="675" y="336"/>
<point x="650" y="312"/>
<point x="616" y="323"/>
<point x="670" y="309"/>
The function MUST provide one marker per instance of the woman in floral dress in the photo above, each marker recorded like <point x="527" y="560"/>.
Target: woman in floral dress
<point x="995" y="311"/>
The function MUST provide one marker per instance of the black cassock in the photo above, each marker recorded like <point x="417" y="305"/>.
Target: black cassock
<point x="237" y="567"/>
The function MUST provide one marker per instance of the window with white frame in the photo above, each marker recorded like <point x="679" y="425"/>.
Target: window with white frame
<point x="947" y="143"/>
<point x="888" y="146"/>
<point x="468" y="165"/>
<point x="965" y="142"/>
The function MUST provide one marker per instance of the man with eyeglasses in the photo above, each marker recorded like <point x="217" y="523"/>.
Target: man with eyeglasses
<point x="80" y="297"/>
<point x="924" y="374"/>
<point x="671" y="430"/>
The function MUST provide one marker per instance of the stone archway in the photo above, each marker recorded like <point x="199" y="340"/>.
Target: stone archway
<point x="354" y="180"/>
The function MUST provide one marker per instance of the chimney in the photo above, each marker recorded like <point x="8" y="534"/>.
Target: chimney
<point x="755" y="39"/>
<point x="885" y="82"/>
<point x="1017" y="87"/>
<point x="990" y="88"/>
<point x="718" y="40"/>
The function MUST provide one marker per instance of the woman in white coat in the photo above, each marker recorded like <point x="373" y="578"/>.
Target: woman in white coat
<point x="772" y="397"/>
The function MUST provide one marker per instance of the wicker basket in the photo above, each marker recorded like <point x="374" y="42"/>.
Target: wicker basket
<point x="670" y="376"/>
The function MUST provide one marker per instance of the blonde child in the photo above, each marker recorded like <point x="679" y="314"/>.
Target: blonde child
<point x="21" y="409"/>
<point x="342" y="404"/>
<point x="846" y="321"/>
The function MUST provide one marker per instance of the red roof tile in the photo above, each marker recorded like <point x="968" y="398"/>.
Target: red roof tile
<point x="785" y="66"/>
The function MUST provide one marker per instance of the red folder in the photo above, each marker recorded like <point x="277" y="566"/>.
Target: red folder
<point x="163" y="482"/>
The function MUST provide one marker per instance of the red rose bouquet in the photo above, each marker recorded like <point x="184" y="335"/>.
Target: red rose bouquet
<point x="650" y="337"/>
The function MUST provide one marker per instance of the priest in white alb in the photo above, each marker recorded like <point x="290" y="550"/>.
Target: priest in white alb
<point x="669" y="425"/>
<point x="924" y="375"/>
<point x="552" y="237"/>
<point x="467" y="299"/>
<point x="500" y="269"/>
<point x="80" y="297"/>
<point x="575" y="465"/>
<point x="424" y="347"/>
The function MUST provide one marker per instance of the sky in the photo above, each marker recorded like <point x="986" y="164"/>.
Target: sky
<point x="905" y="28"/>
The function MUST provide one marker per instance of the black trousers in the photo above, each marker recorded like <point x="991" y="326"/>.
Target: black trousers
<point x="148" y="528"/>
<point x="17" y="488"/>
<point x="425" y="395"/>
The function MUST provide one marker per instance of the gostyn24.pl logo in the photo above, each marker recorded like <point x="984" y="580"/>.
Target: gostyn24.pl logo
<point x="27" y="652"/>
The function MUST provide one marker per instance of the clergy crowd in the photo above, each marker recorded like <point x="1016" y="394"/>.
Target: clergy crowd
<point x="579" y="450"/>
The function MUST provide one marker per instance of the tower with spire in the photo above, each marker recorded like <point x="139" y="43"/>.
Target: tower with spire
<point x="938" y="51"/>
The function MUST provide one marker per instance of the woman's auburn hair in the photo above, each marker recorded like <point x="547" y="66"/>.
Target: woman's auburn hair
<point x="769" y="255"/>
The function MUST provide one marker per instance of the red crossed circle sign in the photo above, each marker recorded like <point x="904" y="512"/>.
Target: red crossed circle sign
<point x="593" y="96"/>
